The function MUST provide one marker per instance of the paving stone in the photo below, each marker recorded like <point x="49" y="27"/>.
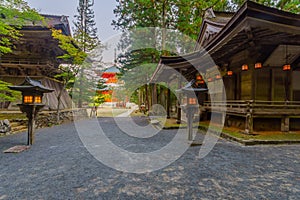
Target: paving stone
<point x="58" y="166"/>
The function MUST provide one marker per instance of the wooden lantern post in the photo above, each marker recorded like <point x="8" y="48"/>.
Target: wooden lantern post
<point x="32" y="96"/>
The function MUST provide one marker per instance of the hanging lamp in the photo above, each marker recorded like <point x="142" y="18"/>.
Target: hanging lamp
<point x="286" y="67"/>
<point x="258" y="65"/>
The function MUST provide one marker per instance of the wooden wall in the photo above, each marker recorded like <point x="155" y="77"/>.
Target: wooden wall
<point x="266" y="84"/>
<point x="262" y="84"/>
<point x="296" y="85"/>
<point x="246" y="85"/>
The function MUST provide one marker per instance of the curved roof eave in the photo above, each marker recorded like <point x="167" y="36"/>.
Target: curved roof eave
<point x="253" y="10"/>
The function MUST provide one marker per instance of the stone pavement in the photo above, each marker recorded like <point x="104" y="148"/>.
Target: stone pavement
<point x="127" y="113"/>
<point x="58" y="166"/>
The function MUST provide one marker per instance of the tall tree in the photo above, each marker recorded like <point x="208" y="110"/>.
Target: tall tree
<point x="13" y="15"/>
<point x="85" y="34"/>
<point x="74" y="56"/>
<point x="182" y="15"/>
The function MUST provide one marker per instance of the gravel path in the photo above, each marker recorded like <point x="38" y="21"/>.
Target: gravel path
<point x="59" y="167"/>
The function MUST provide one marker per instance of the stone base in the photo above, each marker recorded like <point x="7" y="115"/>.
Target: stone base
<point x="16" y="149"/>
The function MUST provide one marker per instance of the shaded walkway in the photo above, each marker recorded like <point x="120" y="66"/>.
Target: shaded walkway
<point x="59" y="167"/>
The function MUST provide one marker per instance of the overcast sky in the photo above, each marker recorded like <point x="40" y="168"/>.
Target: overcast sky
<point x="103" y="12"/>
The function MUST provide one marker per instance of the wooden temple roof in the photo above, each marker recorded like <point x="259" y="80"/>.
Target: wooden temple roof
<point x="254" y="33"/>
<point x="59" y="22"/>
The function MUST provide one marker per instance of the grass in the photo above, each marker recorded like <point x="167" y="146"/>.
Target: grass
<point x="237" y="133"/>
<point x="110" y="112"/>
<point x="137" y="113"/>
<point x="11" y="116"/>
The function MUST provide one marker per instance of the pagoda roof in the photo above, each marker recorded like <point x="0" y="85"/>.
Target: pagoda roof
<point x="112" y="69"/>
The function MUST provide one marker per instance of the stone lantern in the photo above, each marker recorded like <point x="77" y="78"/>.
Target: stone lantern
<point x="191" y="106"/>
<point x="32" y="97"/>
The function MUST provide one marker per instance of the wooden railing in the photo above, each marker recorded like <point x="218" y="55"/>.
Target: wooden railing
<point x="241" y="107"/>
<point x="26" y="62"/>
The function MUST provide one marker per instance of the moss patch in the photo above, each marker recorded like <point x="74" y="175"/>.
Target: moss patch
<point x="12" y="116"/>
<point x="110" y="112"/>
<point x="238" y="133"/>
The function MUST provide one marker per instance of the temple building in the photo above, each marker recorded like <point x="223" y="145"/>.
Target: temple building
<point x="256" y="52"/>
<point x="36" y="55"/>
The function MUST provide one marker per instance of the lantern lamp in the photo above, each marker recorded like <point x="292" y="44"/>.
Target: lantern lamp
<point x="258" y="65"/>
<point x="245" y="67"/>
<point x="198" y="77"/>
<point x="38" y="99"/>
<point x="192" y="101"/>
<point x="286" y="67"/>
<point x="229" y="73"/>
<point x="27" y="99"/>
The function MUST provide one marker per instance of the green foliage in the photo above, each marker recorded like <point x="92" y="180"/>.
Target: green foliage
<point x="101" y="84"/>
<point x="134" y="97"/>
<point x="85" y="32"/>
<point x="98" y="99"/>
<point x="286" y="5"/>
<point x="183" y="15"/>
<point x="7" y="94"/>
<point x="13" y="15"/>
<point x="73" y="53"/>
<point x="85" y="35"/>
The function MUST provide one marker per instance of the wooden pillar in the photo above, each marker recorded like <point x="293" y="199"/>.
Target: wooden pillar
<point x="271" y="85"/>
<point x="147" y="103"/>
<point x="238" y="87"/>
<point x="178" y="120"/>
<point x="253" y="84"/>
<point x="31" y="115"/>
<point x="168" y="103"/>
<point x="154" y="94"/>
<point x="288" y="86"/>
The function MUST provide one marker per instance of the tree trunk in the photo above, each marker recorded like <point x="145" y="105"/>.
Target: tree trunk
<point x="168" y="103"/>
<point x="147" y="97"/>
<point x="58" y="104"/>
<point x="80" y="89"/>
